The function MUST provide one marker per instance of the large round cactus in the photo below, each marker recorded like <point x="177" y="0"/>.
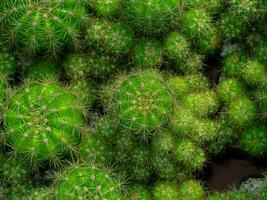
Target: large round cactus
<point x="141" y="102"/>
<point x="45" y="26"/>
<point x="43" y="122"/>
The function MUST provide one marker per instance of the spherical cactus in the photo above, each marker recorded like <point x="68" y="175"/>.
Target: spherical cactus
<point x="260" y="51"/>
<point x="147" y="54"/>
<point x="163" y="142"/>
<point x="197" y="82"/>
<point x="43" y="69"/>
<point x="254" y="141"/>
<point x="165" y="191"/>
<point x="261" y="97"/>
<point x="106" y="129"/>
<point x="20" y="191"/>
<point x="45" y="27"/>
<point x="7" y="62"/>
<point x="230" y="89"/>
<point x="124" y="146"/>
<point x="253" y="39"/>
<point x="93" y="150"/>
<point x="216" y="196"/>
<point x="232" y="63"/>
<point x="192" y="64"/>
<point x="242" y="112"/>
<point x="139" y="192"/>
<point x="43" y="122"/>
<point x="140" y="102"/>
<point x="254" y="73"/>
<point x="105" y="8"/>
<point x="191" y="190"/>
<point x="40" y="194"/>
<point x="87" y="182"/>
<point x="201" y="104"/>
<point x="179" y="87"/>
<point x="113" y="37"/>
<point x="13" y="171"/>
<point x="3" y="90"/>
<point x="176" y="46"/>
<point x="189" y="155"/>
<point x="151" y="17"/>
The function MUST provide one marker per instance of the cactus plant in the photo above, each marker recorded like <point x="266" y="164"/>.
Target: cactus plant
<point x="43" y="122"/>
<point x="106" y="8"/>
<point x="254" y="73"/>
<point x="7" y="62"/>
<point x="192" y="64"/>
<point x="139" y="192"/>
<point x="45" y="27"/>
<point x="191" y="190"/>
<point x="232" y="63"/>
<point x="165" y="191"/>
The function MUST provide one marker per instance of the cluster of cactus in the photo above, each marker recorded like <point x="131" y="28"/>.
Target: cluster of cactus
<point x="119" y="100"/>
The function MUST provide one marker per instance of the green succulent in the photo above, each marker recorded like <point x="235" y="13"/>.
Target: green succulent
<point x="165" y="190"/>
<point x="191" y="190"/>
<point x="139" y="192"/>
<point x="105" y="8"/>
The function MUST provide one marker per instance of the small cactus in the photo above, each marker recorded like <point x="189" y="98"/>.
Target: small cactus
<point x="165" y="191"/>
<point x="139" y="192"/>
<point x="105" y="8"/>
<point x="254" y="73"/>
<point x="7" y="62"/>
<point x="191" y="190"/>
<point x="232" y="63"/>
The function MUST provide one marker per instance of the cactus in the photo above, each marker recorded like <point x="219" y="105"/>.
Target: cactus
<point x="201" y="104"/>
<point x="45" y="27"/>
<point x="254" y="73"/>
<point x="191" y="190"/>
<point x="197" y="82"/>
<point x="260" y="51"/>
<point x="232" y="63"/>
<point x="242" y="112"/>
<point x="179" y="87"/>
<point x="87" y="182"/>
<point x="105" y="8"/>
<point x="261" y="98"/>
<point x="124" y="146"/>
<point x="43" y="122"/>
<point x="230" y="89"/>
<point x="165" y="191"/>
<point x="112" y="37"/>
<point x="93" y="150"/>
<point x="140" y="102"/>
<point x="151" y="17"/>
<point x="147" y="54"/>
<point x="3" y="90"/>
<point x="192" y="64"/>
<point x="189" y="155"/>
<point x="139" y="192"/>
<point x="7" y="62"/>
<point x="106" y="129"/>
<point x="253" y="140"/>
<point x="43" y="69"/>
<point x="163" y="142"/>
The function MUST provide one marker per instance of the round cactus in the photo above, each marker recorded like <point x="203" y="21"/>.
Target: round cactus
<point x="192" y="157"/>
<point x="87" y="182"/>
<point x="45" y="27"/>
<point x="40" y="194"/>
<point x="141" y="102"/>
<point x="176" y="46"/>
<point x="3" y="90"/>
<point x="139" y="192"/>
<point x="163" y="142"/>
<point x="43" y="69"/>
<point x="192" y="64"/>
<point x="191" y="190"/>
<point x="7" y="62"/>
<point x="93" y="150"/>
<point x="147" y="54"/>
<point x="261" y="97"/>
<point x="242" y="112"/>
<point x="43" y="122"/>
<point x="197" y="82"/>
<point x="105" y="8"/>
<point x="106" y="129"/>
<point x="230" y="89"/>
<point x="165" y="191"/>
<point x="201" y="104"/>
<point x="151" y="17"/>
<point x="124" y="146"/>
<point x="260" y="51"/>
<point x="232" y="63"/>
<point x="179" y="87"/>
<point x="113" y="37"/>
<point x="254" y="140"/>
<point x="254" y="73"/>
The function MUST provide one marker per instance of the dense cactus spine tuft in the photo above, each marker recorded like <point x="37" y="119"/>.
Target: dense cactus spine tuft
<point x="232" y="63"/>
<point x="165" y="191"/>
<point x="191" y="190"/>
<point x="43" y="122"/>
<point x="7" y="62"/>
<point x="105" y="8"/>
<point x="139" y="192"/>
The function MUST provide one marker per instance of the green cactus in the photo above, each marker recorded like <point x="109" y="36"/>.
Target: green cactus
<point x="230" y="89"/>
<point x="139" y="192"/>
<point x="140" y="102"/>
<point x="242" y="112"/>
<point x="176" y="46"/>
<point x="163" y="142"/>
<point x="192" y="64"/>
<point x="254" y="141"/>
<point x="124" y="146"/>
<point x="261" y="98"/>
<point x="106" y="129"/>
<point x="45" y="27"/>
<point x="197" y="82"/>
<point x="191" y="190"/>
<point x="93" y="150"/>
<point x="112" y="37"/>
<point x="189" y="155"/>
<point x="3" y="91"/>
<point x="147" y="54"/>
<point x="212" y="7"/>
<point x="233" y="63"/>
<point x="201" y="104"/>
<point x="151" y="17"/>
<point x="260" y="51"/>
<point x="165" y="190"/>
<point x="87" y="182"/>
<point x="43" y="69"/>
<point x="179" y="87"/>
<point x="43" y="122"/>
<point x="105" y="8"/>
<point x="7" y="62"/>
<point x="254" y="73"/>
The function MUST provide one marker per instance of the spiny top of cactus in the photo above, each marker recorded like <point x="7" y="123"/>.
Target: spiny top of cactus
<point x="165" y="191"/>
<point x="87" y="182"/>
<point x="142" y="102"/>
<point x="44" y="26"/>
<point x="151" y="16"/>
<point x="43" y="122"/>
<point x="104" y="8"/>
<point x="232" y="63"/>
<point x="254" y="73"/>
<point x="7" y="62"/>
<point x="139" y="192"/>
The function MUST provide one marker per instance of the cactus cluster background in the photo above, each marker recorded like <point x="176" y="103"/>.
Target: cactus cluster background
<point x="129" y="99"/>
